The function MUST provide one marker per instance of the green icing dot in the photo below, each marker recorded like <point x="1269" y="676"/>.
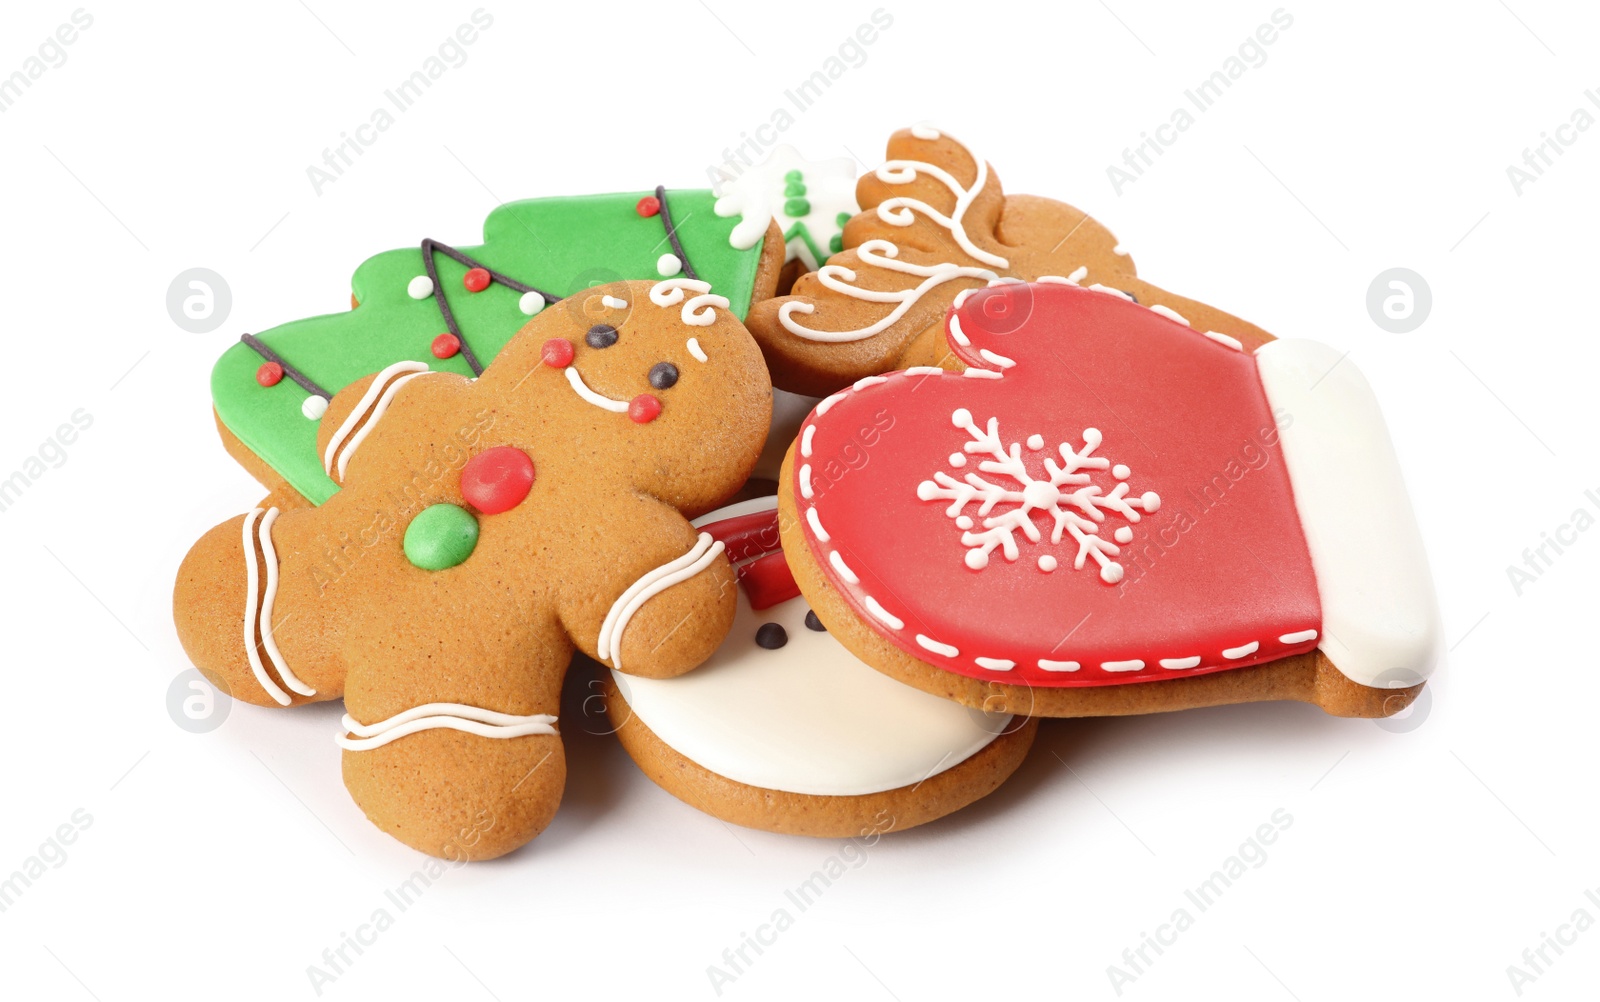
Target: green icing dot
<point x="794" y="208"/>
<point x="836" y="244"/>
<point x="794" y="189"/>
<point x="841" y="219"/>
<point x="441" y="536"/>
<point x="793" y="175"/>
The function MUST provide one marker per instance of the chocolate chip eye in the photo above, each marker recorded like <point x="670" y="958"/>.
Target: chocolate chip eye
<point x="771" y="636"/>
<point x="813" y="623"/>
<point x="601" y="336"/>
<point x="663" y="375"/>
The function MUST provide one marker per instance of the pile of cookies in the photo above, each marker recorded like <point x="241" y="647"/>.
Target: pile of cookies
<point x="844" y="483"/>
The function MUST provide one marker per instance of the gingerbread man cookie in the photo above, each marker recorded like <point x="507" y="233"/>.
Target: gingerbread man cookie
<point x="1113" y="510"/>
<point x="936" y="223"/>
<point x="483" y="529"/>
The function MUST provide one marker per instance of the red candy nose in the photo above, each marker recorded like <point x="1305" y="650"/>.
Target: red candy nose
<point x="557" y="353"/>
<point x="644" y="408"/>
<point x="497" y="479"/>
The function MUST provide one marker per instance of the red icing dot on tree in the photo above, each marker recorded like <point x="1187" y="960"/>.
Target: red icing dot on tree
<point x="446" y="345"/>
<point x="557" y="353"/>
<point x="270" y="374"/>
<point x="476" y="280"/>
<point x="648" y="206"/>
<point x="497" y="479"/>
<point x="644" y="408"/>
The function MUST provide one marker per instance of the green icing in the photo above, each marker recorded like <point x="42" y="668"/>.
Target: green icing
<point x="440" y="537"/>
<point x="795" y="208"/>
<point x="793" y="175"/>
<point x="556" y="244"/>
<point x="801" y="230"/>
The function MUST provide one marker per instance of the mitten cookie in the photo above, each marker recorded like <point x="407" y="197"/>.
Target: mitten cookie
<point x="454" y="308"/>
<point x="1113" y="511"/>
<point x="483" y="529"/>
<point x="784" y="729"/>
<point x="936" y="223"/>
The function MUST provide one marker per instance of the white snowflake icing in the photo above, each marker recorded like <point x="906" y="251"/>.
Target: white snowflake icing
<point x="1076" y="506"/>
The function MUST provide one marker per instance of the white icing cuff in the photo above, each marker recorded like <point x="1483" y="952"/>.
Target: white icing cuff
<point x="1380" y="621"/>
<point x="455" y="716"/>
<point x="609" y="645"/>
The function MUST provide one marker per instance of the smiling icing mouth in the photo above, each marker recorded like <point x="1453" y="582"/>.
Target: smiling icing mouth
<point x="599" y="400"/>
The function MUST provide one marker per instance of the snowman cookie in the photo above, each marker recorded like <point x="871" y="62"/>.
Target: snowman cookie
<point x="1112" y="510"/>
<point x="784" y="729"/>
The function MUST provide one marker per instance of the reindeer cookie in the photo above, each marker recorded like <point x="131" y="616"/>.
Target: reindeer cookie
<point x="481" y="530"/>
<point x="935" y="223"/>
<point x="1113" y="509"/>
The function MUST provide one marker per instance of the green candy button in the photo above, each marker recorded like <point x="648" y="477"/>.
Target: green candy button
<point x="441" y="536"/>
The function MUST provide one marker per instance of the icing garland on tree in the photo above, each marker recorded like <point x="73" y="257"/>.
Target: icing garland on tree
<point x="1075" y="504"/>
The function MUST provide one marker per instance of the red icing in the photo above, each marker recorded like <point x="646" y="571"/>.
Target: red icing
<point x="1218" y="564"/>
<point x="648" y="206"/>
<point x="767" y="581"/>
<point x="556" y="353"/>
<point x="497" y="479"/>
<point x="270" y="374"/>
<point x="446" y="345"/>
<point x="476" y="279"/>
<point x="746" y="536"/>
<point x="644" y="408"/>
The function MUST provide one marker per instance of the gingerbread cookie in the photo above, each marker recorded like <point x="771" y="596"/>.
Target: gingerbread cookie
<point x="1113" y="510"/>
<point x="784" y="729"/>
<point x="483" y="529"/>
<point x="454" y="308"/>
<point x="936" y="223"/>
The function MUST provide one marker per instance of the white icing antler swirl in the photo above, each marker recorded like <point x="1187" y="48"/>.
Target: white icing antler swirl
<point x="697" y="312"/>
<point x="901" y="211"/>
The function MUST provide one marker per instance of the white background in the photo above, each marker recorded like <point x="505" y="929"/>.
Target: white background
<point x="1420" y="863"/>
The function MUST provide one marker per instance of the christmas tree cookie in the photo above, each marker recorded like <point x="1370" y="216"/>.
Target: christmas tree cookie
<point x="452" y="309"/>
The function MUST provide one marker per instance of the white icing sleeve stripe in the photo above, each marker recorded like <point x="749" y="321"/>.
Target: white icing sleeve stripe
<point x="270" y="555"/>
<point x="252" y="579"/>
<point x="363" y="405"/>
<point x="893" y="621"/>
<point x="456" y="716"/>
<point x="699" y="557"/>
<point x="928" y="643"/>
<point x="1049" y="665"/>
<point x="582" y="389"/>
<point x="372" y="422"/>
<point x="1298" y="638"/>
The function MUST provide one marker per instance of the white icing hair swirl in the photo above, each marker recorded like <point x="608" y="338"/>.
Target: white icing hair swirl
<point x="698" y="311"/>
<point x="902" y="210"/>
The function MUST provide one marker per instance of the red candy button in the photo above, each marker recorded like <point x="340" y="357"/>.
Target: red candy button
<point x="476" y="280"/>
<point x="270" y="374"/>
<point x="644" y="408"/>
<point x="446" y="345"/>
<point x="648" y="206"/>
<point x="497" y="479"/>
<point x="557" y="353"/>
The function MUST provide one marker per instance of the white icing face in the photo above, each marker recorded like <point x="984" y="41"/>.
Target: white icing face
<point x="806" y="197"/>
<point x="598" y="399"/>
<point x="783" y="706"/>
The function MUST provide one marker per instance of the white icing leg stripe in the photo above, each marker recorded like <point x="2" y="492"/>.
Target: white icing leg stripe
<point x="699" y="557"/>
<point x="456" y="716"/>
<point x="252" y="578"/>
<point x="582" y="389"/>
<point x="270" y="555"/>
<point x="368" y="399"/>
<point x="372" y="422"/>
